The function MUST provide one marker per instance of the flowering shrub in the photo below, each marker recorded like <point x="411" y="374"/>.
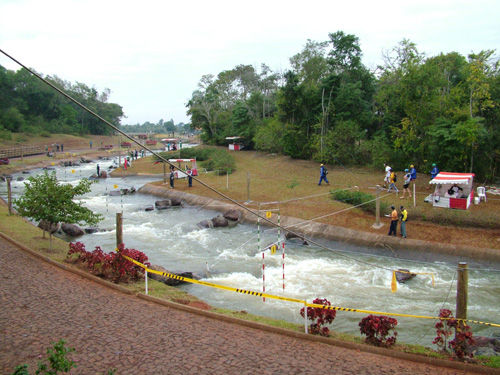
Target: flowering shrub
<point x="377" y="328"/>
<point x="448" y="325"/>
<point x="319" y="317"/>
<point x="112" y="265"/>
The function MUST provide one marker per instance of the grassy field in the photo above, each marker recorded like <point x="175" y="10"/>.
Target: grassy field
<point x="294" y="184"/>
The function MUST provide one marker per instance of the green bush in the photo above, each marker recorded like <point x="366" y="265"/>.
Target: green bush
<point x="367" y="201"/>
<point x="200" y="154"/>
<point x="221" y="162"/>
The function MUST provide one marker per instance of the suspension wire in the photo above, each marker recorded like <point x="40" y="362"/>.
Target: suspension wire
<point x="160" y="157"/>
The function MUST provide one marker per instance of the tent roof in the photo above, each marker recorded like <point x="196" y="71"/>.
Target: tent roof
<point x="452" y="178"/>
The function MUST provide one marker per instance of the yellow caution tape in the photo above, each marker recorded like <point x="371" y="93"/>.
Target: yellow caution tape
<point x="259" y="294"/>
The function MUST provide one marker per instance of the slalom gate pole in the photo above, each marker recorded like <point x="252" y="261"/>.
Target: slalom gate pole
<point x="263" y="277"/>
<point x="146" y="280"/>
<point x="283" y="263"/>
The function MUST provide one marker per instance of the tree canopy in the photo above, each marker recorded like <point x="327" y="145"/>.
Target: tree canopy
<point x="413" y="109"/>
<point x="46" y="199"/>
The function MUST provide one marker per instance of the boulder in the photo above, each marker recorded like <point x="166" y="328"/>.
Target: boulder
<point x="163" y="204"/>
<point x="26" y="172"/>
<point x="149" y="208"/>
<point x="404" y="276"/>
<point x="234" y="215"/>
<point x="92" y="230"/>
<point x="205" y="224"/>
<point x="220" y="221"/>
<point x="20" y="178"/>
<point x="175" y="201"/>
<point x="292" y="236"/>
<point x="103" y="174"/>
<point x="72" y="230"/>
<point x="48" y="227"/>
<point x="167" y="280"/>
<point x="115" y="192"/>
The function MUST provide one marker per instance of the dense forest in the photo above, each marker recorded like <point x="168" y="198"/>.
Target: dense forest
<point x="28" y="105"/>
<point x="329" y="107"/>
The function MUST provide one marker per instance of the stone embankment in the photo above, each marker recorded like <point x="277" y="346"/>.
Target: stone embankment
<point x="310" y="229"/>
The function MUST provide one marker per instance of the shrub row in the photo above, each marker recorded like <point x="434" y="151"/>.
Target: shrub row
<point x="111" y="266"/>
<point x="381" y="330"/>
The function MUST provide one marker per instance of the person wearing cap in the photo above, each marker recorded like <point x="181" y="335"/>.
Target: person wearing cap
<point x="434" y="171"/>
<point x="394" y="221"/>
<point x="413" y="173"/>
<point x="387" y="177"/>
<point x="406" y="183"/>
<point x="322" y="174"/>
<point x="404" y="218"/>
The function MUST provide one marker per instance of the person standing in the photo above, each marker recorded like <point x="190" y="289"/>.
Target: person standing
<point x="392" y="181"/>
<point x="434" y="171"/>
<point x="394" y="221"/>
<point x="322" y="174"/>
<point x="172" y="178"/>
<point x="90" y="143"/>
<point x="62" y="147"/>
<point x="189" y="173"/>
<point x="404" y="218"/>
<point x="406" y="183"/>
<point x="413" y="173"/>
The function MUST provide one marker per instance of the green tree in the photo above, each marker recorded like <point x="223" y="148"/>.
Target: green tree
<point x="46" y="199"/>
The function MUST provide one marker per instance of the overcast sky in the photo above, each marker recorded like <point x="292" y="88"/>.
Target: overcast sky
<point x="151" y="54"/>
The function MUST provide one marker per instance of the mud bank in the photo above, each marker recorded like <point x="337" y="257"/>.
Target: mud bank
<point x="331" y="232"/>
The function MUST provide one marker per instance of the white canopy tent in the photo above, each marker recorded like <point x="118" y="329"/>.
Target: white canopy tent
<point x="453" y="190"/>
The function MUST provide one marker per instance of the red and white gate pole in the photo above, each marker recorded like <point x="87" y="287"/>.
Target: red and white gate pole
<point x="263" y="277"/>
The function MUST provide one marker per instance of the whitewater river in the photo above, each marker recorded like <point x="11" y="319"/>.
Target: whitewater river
<point x="347" y="275"/>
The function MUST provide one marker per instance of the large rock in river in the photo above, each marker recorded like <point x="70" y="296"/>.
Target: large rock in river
<point x="168" y="280"/>
<point x="234" y="215"/>
<point x="72" y="230"/>
<point x="220" y="222"/>
<point x="48" y="227"/>
<point x="163" y="204"/>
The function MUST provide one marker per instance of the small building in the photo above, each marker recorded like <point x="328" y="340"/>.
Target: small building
<point x="453" y="190"/>
<point x="234" y="145"/>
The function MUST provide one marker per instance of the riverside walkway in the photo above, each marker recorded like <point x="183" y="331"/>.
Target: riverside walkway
<point x="41" y="304"/>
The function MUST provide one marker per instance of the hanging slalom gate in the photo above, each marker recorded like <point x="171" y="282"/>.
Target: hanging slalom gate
<point x="273" y="247"/>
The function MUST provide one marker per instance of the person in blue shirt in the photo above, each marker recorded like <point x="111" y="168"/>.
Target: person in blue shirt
<point x="322" y="175"/>
<point x="434" y="171"/>
<point x="413" y="173"/>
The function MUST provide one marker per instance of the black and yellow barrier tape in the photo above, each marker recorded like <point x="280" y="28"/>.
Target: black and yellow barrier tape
<point x="295" y="300"/>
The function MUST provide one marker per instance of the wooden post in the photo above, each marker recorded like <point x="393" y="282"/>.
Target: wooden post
<point x="119" y="228"/>
<point x="377" y="224"/>
<point x="462" y="290"/>
<point x="9" y="195"/>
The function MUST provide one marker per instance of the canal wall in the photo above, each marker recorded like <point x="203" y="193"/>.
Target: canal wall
<point x="312" y="229"/>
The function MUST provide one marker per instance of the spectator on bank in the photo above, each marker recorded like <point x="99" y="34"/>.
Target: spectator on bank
<point x="394" y="222"/>
<point x="406" y="183"/>
<point x="404" y="218"/>
<point x="392" y="181"/>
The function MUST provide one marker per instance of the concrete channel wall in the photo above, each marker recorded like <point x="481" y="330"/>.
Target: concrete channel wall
<point x="331" y="232"/>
